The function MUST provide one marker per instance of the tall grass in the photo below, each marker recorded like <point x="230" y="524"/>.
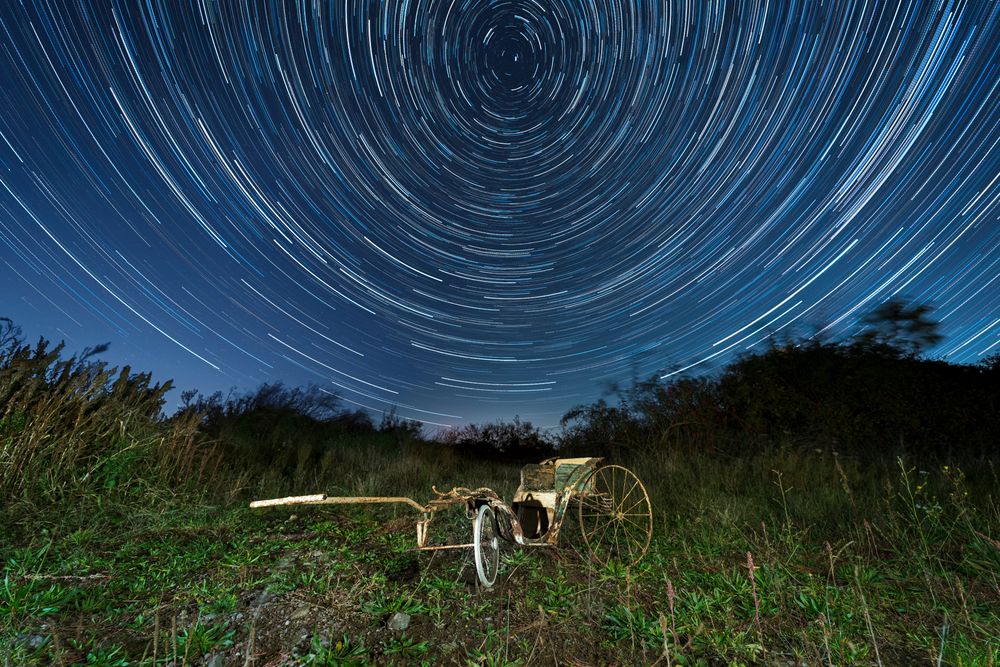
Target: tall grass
<point x="71" y="424"/>
<point x="73" y="429"/>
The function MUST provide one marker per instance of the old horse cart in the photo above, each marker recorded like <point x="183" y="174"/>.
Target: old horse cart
<point x="611" y="504"/>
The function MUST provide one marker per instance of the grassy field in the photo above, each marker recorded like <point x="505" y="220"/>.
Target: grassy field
<point x="126" y="539"/>
<point x="784" y="557"/>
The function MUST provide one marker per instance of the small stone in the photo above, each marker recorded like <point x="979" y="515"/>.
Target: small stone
<point x="214" y="660"/>
<point x="399" y="621"/>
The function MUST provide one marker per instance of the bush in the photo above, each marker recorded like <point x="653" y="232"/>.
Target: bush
<point x="275" y="427"/>
<point x="516" y="442"/>
<point x="853" y="397"/>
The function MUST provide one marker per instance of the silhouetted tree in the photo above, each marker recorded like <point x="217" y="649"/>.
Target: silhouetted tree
<point x="896" y="325"/>
<point x="10" y="334"/>
<point x="275" y="426"/>
<point x="516" y="441"/>
<point x="867" y="396"/>
<point x="401" y="426"/>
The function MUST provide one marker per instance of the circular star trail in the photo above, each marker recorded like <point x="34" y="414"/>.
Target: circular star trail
<point x="471" y="209"/>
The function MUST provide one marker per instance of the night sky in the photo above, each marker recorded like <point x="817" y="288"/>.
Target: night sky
<point x="472" y="209"/>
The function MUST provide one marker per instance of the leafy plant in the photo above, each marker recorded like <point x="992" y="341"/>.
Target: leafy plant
<point x="406" y="646"/>
<point x="623" y="622"/>
<point x="223" y="604"/>
<point x="494" y="652"/>
<point x="199" y="638"/>
<point x="107" y="657"/>
<point x="383" y="604"/>
<point x="342" y="652"/>
<point x="20" y="602"/>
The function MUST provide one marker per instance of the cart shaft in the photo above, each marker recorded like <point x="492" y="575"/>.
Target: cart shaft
<point x="323" y="499"/>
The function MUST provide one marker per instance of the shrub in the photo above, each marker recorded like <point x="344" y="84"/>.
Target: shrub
<point x="871" y="395"/>
<point x="515" y="441"/>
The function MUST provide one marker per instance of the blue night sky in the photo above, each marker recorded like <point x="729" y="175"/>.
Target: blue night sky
<point x="472" y="209"/>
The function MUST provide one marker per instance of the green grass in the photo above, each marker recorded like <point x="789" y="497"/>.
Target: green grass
<point x="125" y="537"/>
<point x="852" y="564"/>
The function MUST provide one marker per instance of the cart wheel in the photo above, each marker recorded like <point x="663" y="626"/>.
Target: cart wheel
<point x="616" y="518"/>
<point x="486" y="545"/>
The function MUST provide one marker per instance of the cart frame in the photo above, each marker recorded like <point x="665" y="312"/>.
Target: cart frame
<point x="536" y="515"/>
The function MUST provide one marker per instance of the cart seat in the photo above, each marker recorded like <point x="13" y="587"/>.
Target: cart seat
<point x="538" y="477"/>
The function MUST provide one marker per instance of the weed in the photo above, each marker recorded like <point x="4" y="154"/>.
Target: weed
<point x="556" y="595"/>
<point x="113" y="656"/>
<point x="223" y="604"/>
<point x="27" y="601"/>
<point x="622" y="622"/>
<point x="493" y="652"/>
<point x="383" y="604"/>
<point x="756" y="602"/>
<point x="406" y="646"/>
<point x="200" y="638"/>
<point x="326" y="654"/>
<point x="858" y="558"/>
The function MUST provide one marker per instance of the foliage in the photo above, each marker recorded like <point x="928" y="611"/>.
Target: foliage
<point x="329" y="654"/>
<point x="870" y="394"/>
<point x="912" y="546"/>
<point x="291" y="432"/>
<point x="898" y="327"/>
<point x="516" y="441"/>
<point x="201" y="638"/>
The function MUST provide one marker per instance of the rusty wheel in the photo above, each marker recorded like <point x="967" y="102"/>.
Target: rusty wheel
<point x="616" y="517"/>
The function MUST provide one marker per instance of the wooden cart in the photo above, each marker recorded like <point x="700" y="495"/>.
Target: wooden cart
<point x="611" y="503"/>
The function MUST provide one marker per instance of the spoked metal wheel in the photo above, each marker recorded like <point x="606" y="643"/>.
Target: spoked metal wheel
<point x="486" y="545"/>
<point x="616" y="517"/>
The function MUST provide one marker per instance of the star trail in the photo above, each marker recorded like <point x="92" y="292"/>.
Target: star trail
<point x="471" y="209"/>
